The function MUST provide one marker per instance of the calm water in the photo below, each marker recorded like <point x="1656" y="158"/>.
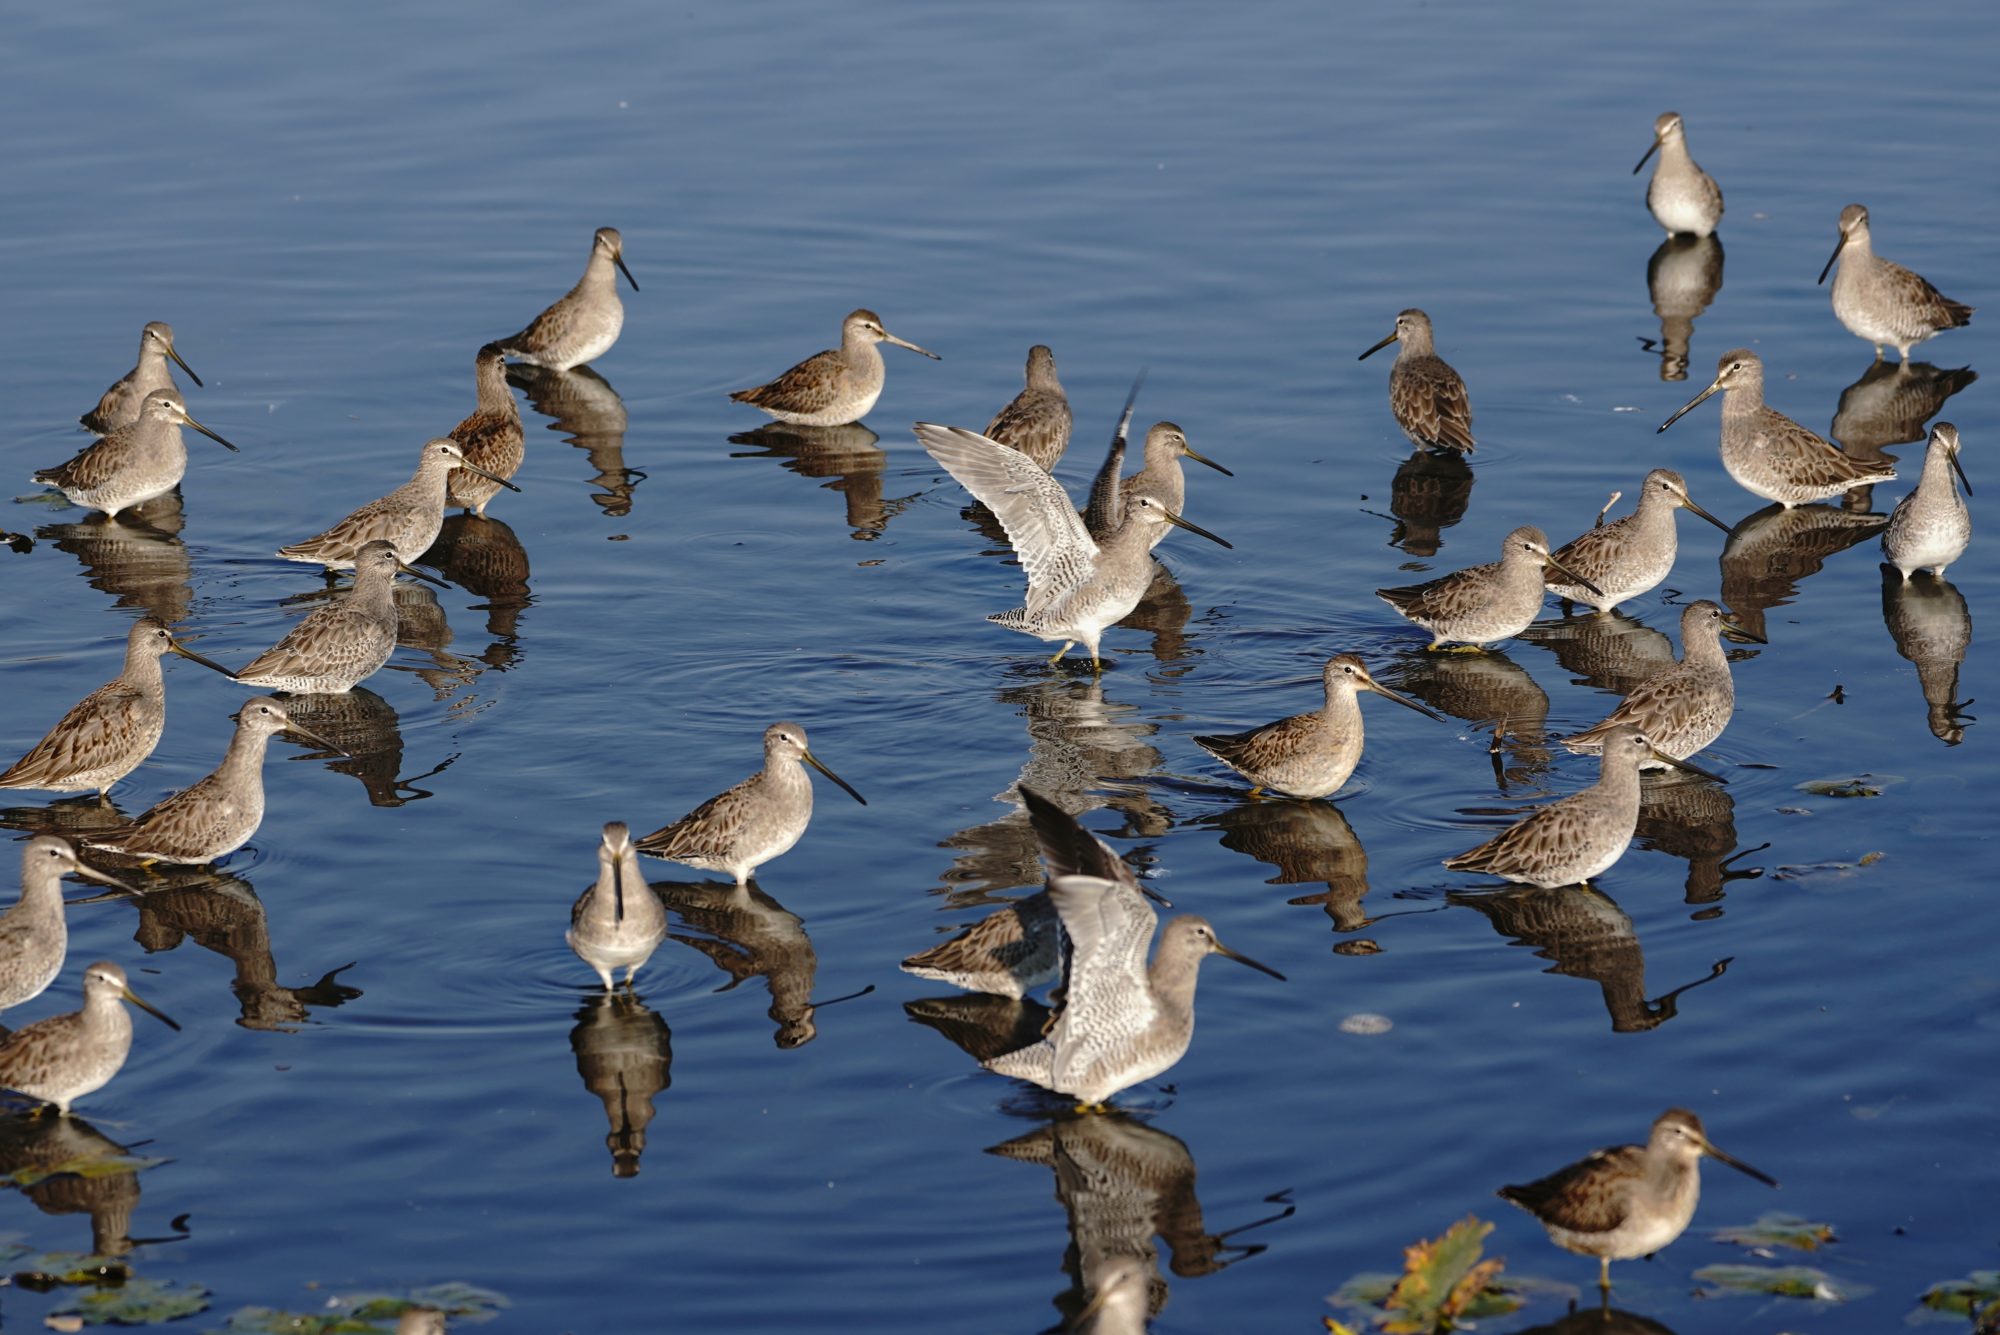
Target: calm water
<point x="334" y="208"/>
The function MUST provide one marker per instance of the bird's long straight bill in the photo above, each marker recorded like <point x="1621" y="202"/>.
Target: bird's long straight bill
<point x="1959" y="469"/>
<point x="888" y="337"/>
<point x="1838" y="246"/>
<point x="1178" y="522"/>
<point x="1378" y="347"/>
<point x="176" y="647"/>
<point x="1403" y="700"/>
<point x="1666" y="759"/>
<point x="1690" y="405"/>
<point x="90" y="873"/>
<point x="184" y="366"/>
<point x="313" y="737"/>
<point x="1204" y="459"/>
<point x="1226" y="952"/>
<point x="1565" y="571"/>
<point x="415" y="573"/>
<point x="206" y="432"/>
<point x="474" y="468"/>
<point x="810" y="759"/>
<point x="1688" y="501"/>
<point x="1738" y="1165"/>
<point x="618" y="260"/>
<point x="1645" y="157"/>
<point x="157" y="1014"/>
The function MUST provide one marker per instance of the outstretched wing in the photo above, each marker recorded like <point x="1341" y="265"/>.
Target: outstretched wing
<point x="1032" y="506"/>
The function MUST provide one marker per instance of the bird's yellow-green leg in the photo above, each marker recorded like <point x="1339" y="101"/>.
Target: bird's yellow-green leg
<point x="1088" y="1108"/>
<point x="1604" y="1273"/>
<point x="1067" y="646"/>
<point x="1257" y="791"/>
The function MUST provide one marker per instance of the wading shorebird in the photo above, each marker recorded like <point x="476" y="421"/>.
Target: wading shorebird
<point x="1683" y="198"/>
<point x="584" y="322"/>
<point x="1426" y="395"/>
<point x="119" y="405"/>
<point x="1882" y="302"/>
<point x="834" y="387"/>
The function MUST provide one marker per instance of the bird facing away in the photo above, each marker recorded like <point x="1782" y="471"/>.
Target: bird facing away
<point x="408" y="518"/>
<point x="62" y="1058"/>
<point x="491" y="439"/>
<point x="1683" y="198"/>
<point x="119" y="405"/>
<point x="34" y="936"/>
<point x="1159" y="476"/>
<point x="110" y="732"/>
<point x="584" y="322"/>
<point x="134" y="463"/>
<point x="1930" y="528"/>
<point x="1685" y="707"/>
<point x="1481" y="604"/>
<point x="618" y="922"/>
<point x="1882" y="302"/>
<point x="1580" y="836"/>
<point x="1426" y="395"/>
<point x="1122" y="1021"/>
<point x="216" y="816"/>
<point x="1076" y="587"/>
<point x="1037" y="422"/>
<point x="1018" y="948"/>
<point x="1626" y="1200"/>
<point x="834" y="387"/>
<point x="1629" y="556"/>
<point x="757" y="820"/>
<point x="337" y="648"/>
<point x="1768" y="453"/>
<point x="1311" y="754"/>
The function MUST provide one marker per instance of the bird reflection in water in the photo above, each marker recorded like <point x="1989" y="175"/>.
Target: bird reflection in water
<point x="1683" y="277"/>
<point x="483" y="557"/>
<point x="748" y="934"/>
<point x="582" y="405"/>
<point x="1491" y="690"/>
<point x="138" y="558"/>
<point x="1429" y="493"/>
<point x="625" y="1055"/>
<point x="421" y="625"/>
<point x="1606" y="650"/>
<point x="1306" y="842"/>
<point x="1084" y="752"/>
<point x="67" y="1166"/>
<point x="1122" y="1184"/>
<point x="1695" y="822"/>
<point x="365" y="728"/>
<point x="1928" y="619"/>
<point x="1586" y="935"/>
<point x="1768" y="553"/>
<point x="984" y="1025"/>
<point x="1891" y="404"/>
<point x="848" y="455"/>
<point x="1606" y="1320"/>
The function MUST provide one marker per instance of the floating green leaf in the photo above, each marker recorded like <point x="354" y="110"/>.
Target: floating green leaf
<point x="368" y="1313"/>
<point x="1977" y="1292"/>
<point x="1782" y="1281"/>
<point x="1443" y="1282"/>
<point x="1779" y="1230"/>
<point x="137" y="1302"/>
<point x="1859" y="785"/>
<point x="86" y="1166"/>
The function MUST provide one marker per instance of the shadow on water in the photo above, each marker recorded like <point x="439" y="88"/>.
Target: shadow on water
<point x="848" y="455"/>
<point x="1584" y="933"/>
<point x="1487" y="689"/>
<point x="1122" y="1184"/>
<point x="137" y="558"/>
<point x="1683" y="277"/>
<point x="582" y="405"/>
<point x="365" y="727"/>
<point x="624" y="1052"/>
<point x="1769" y="552"/>
<point x="747" y="934"/>
<point x="1932" y="627"/>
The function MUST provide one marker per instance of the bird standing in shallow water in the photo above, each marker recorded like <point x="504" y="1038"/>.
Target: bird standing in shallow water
<point x="1481" y="604"/>
<point x="585" y="321"/>
<point x="1629" y="556"/>
<point x="1930" y="527"/>
<point x="1308" y="755"/>
<point x="618" y="922"/>
<point x="1627" y="1200"/>
<point x="1883" y="302"/>
<point x="1037" y="422"/>
<point x="119" y="405"/>
<point x="491" y="439"/>
<point x="1685" y="707"/>
<point x="757" y="820"/>
<point x="1683" y="198"/>
<point x="62" y="1058"/>
<point x="133" y="464"/>
<point x="34" y="934"/>
<point x="835" y="387"/>
<point x="337" y="648"/>
<point x="408" y="518"/>
<point x="1426" y="395"/>
<point x="1160" y="477"/>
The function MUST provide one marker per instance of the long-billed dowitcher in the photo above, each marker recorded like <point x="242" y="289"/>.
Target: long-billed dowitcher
<point x="408" y="518"/>
<point x="1882" y="302"/>
<point x="1037" y="422"/>
<point x="110" y="732"/>
<point x="757" y="820"/>
<point x="584" y="322"/>
<point x="216" y="816"/>
<point x="1626" y="1200"/>
<point x="1159" y="476"/>
<point x="1685" y="707"/>
<point x="1481" y="604"/>
<point x="834" y="387"/>
<point x="119" y="405"/>
<point x="62" y="1058"/>
<point x="421" y="1321"/>
<point x="1122" y="1021"/>
<point x="1311" y="754"/>
<point x="1076" y="587"/>
<point x="1930" y="528"/>
<point x="337" y="648"/>
<point x="618" y="922"/>
<point x="1768" y="453"/>
<point x="491" y="439"/>
<point x="1683" y="198"/>
<point x="1580" y="836"/>
<point x="1629" y="556"/>
<point x="34" y="937"/>
<point x="1426" y="395"/>
<point x="134" y="463"/>
<point x="1019" y="948"/>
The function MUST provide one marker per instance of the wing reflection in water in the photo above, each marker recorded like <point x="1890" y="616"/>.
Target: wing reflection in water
<point x="67" y="1166"/>
<point x="364" y="726"/>
<point x="1429" y="493"/>
<point x="1891" y="404"/>
<point x="483" y="557"/>
<point x="982" y="1024"/>
<point x="1123" y="1183"/>
<point x="1608" y="650"/>
<point x="1695" y="822"/>
<point x="846" y="454"/>
<point x="1490" y="689"/>
<point x="1931" y="625"/>
<point x="625" y="1055"/>
<point x="748" y="934"/>
<point x="1586" y="935"/>
<point x="1769" y="552"/>
<point x="1683" y="277"/>
<point x="582" y="405"/>
<point x="138" y="558"/>
<point x="1079" y="746"/>
<point x="1306" y="842"/>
